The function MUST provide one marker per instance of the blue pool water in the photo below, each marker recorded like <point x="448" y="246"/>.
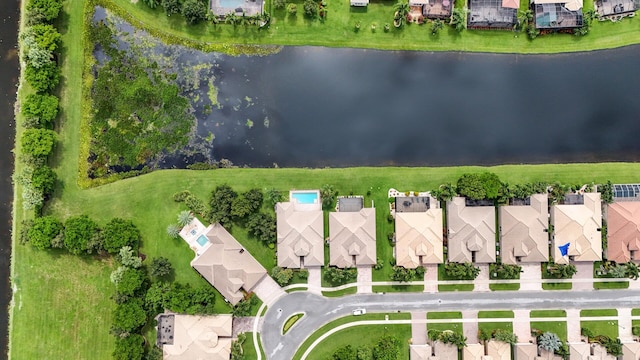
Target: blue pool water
<point x="231" y="3"/>
<point x="202" y="240"/>
<point x="305" y="197"/>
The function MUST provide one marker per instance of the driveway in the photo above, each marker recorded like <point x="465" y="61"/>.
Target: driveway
<point x="584" y="274"/>
<point x="418" y="328"/>
<point x="482" y="281"/>
<point x="268" y="290"/>
<point x="320" y="311"/>
<point x="431" y="278"/>
<point x="531" y="277"/>
<point x="315" y="280"/>
<point x="364" y="280"/>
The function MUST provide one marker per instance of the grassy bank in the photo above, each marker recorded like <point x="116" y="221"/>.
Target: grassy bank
<point x="338" y="31"/>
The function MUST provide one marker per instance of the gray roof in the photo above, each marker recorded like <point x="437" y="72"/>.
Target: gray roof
<point x="350" y="204"/>
<point x="413" y="203"/>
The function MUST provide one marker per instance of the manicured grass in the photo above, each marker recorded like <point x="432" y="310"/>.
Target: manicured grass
<point x="290" y="322"/>
<point x="556" y="286"/>
<point x="253" y="311"/>
<point x="608" y="328"/>
<point x="547" y="313"/>
<point x="635" y="312"/>
<point x="249" y="350"/>
<point x="504" y="287"/>
<point x="444" y="315"/>
<point x="398" y="288"/>
<point x="611" y="285"/>
<point x="459" y="287"/>
<point x="495" y="314"/>
<point x="366" y="335"/>
<point x="455" y="327"/>
<point x="557" y="327"/>
<point x="338" y="293"/>
<point x="489" y="327"/>
<point x="338" y="31"/>
<point x="344" y="320"/>
<point x="599" y="312"/>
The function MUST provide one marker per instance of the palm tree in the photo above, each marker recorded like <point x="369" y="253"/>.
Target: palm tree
<point x="524" y="18"/>
<point x="436" y="26"/>
<point x="632" y="271"/>
<point x="459" y="18"/>
<point x="400" y="16"/>
<point x="185" y="217"/>
<point x="231" y="18"/>
<point x="618" y="271"/>
<point x="173" y="231"/>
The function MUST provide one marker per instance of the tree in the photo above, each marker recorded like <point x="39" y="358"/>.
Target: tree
<point x="38" y="143"/>
<point x="156" y="297"/>
<point x="173" y="231"/>
<point x="221" y="200"/>
<point x="345" y="353"/>
<point x="43" y="78"/>
<point x="243" y="307"/>
<point x="310" y="9"/>
<point x="606" y="192"/>
<point x="43" y="231"/>
<point x="78" y="231"/>
<point x="161" y="267"/>
<point x="364" y="353"/>
<point x="459" y="18"/>
<point x="550" y="342"/>
<point x="185" y="217"/>
<point x="505" y="336"/>
<point x="292" y="9"/>
<point x="42" y="11"/>
<point x="450" y="337"/>
<point x="401" y="12"/>
<point x="155" y="353"/>
<point x="618" y="271"/>
<point x="118" y="233"/>
<point x="152" y="3"/>
<point x="46" y="36"/>
<point x="240" y="207"/>
<point x="632" y="270"/>
<point x="505" y="271"/>
<point x="465" y="271"/>
<point x="274" y="196"/>
<point x="282" y="276"/>
<point x="339" y="276"/>
<point x="194" y="11"/>
<point x="263" y="227"/>
<point x="387" y="348"/>
<point x="171" y="6"/>
<point x="470" y="186"/>
<point x="129" y="258"/>
<point x="328" y="195"/>
<point x="436" y="26"/>
<point x="44" y="180"/>
<point x="128" y="317"/>
<point x="524" y="18"/>
<point x="400" y="273"/>
<point x="39" y="110"/>
<point x="130" y="282"/>
<point x="562" y="271"/>
<point x="255" y="198"/>
<point x="492" y="185"/>
<point x="189" y="300"/>
<point x="232" y="19"/>
<point x="129" y="347"/>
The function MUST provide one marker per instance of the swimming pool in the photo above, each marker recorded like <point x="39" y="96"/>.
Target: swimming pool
<point x="231" y="3"/>
<point x="305" y="197"/>
<point x="202" y="240"/>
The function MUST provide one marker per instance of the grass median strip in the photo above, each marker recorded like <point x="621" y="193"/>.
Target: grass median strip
<point x="290" y="322"/>
<point x="547" y="313"/>
<point x="508" y="314"/>
<point x="599" y="312"/>
<point x="398" y="288"/>
<point x="343" y="292"/>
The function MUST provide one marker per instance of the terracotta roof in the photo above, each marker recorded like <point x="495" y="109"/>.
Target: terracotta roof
<point x="499" y="350"/>
<point x="227" y="265"/>
<point x="623" y="231"/>
<point x="578" y="225"/>
<point x="419" y="352"/>
<point x="200" y="337"/>
<point x="300" y="236"/>
<point x="631" y="351"/>
<point x="419" y="237"/>
<point x="522" y="231"/>
<point x="471" y="229"/>
<point x="352" y="238"/>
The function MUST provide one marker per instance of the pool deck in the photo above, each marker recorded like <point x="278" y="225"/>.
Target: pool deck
<point x="298" y="206"/>
<point x="191" y="233"/>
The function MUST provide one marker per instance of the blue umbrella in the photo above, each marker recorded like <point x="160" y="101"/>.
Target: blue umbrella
<point x="564" y="249"/>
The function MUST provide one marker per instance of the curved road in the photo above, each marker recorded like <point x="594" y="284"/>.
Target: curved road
<point x="320" y="310"/>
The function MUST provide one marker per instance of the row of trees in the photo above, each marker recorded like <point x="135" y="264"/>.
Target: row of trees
<point x="461" y="271"/>
<point x="448" y="337"/>
<point x="196" y="11"/>
<point x="400" y="273"/>
<point x="505" y="271"/>
<point x="40" y="42"/>
<point x="386" y="348"/>
<point x="498" y="335"/>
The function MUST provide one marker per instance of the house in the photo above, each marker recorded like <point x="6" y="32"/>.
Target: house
<point x="471" y="231"/>
<point x="433" y="9"/>
<point x="473" y="352"/>
<point x="419" y="238"/>
<point x="576" y="229"/>
<point x="493" y="14"/>
<point x="358" y="2"/>
<point x="420" y="352"/>
<point x="226" y="265"/>
<point x="586" y="351"/>
<point x="499" y="350"/>
<point x="300" y="231"/>
<point x="187" y="337"/>
<point x="523" y="231"/>
<point x="615" y="9"/>
<point x="528" y="351"/>
<point x="557" y="14"/>
<point x="631" y="350"/>
<point x="352" y="234"/>
<point x="623" y="231"/>
<point x="442" y="351"/>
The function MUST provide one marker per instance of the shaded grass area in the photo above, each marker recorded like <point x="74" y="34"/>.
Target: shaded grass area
<point x="444" y="315"/>
<point x="495" y="314"/>
<point x="608" y="328"/>
<point x="338" y="31"/>
<point x="398" y="288"/>
<point x="557" y="327"/>
<point x="365" y="335"/>
<point x="599" y="312"/>
<point x="504" y="287"/>
<point x="348" y="319"/>
<point x="338" y="293"/>
<point x="547" y="313"/>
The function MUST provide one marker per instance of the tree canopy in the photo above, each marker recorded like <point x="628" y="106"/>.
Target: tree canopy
<point x="118" y="233"/>
<point x="78" y="231"/>
<point x="221" y="201"/>
<point x="37" y="142"/>
<point x="129" y="347"/>
<point x="39" y="109"/>
<point x="43" y="231"/>
<point x="128" y="316"/>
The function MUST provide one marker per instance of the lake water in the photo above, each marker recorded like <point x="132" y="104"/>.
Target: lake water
<point x="316" y="107"/>
<point x="9" y="17"/>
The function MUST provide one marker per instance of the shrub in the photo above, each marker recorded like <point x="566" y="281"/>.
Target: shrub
<point x="171" y="6"/>
<point x="44" y="180"/>
<point x="43" y="231"/>
<point x="160" y="267"/>
<point x="43" y="11"/>
<point x="194" y="11"/>
<point x="130" y="282"/>
<point x="310" y="9"/>
<point x="78" y="231"/>
<point x="129" y="258"/>
<point x="37" y="143"/>
<point x="292" y="9"/>
<point x="278" y="4"/>
<point x="129" y="347"/>
<point x="282" y="276"/>
<point x="43" y="78"/>
<point x="181" y="196"/>
<point x="173" y="231"/>
<point x="39" y="110"/>
<point x="128" y="317"/>
<point x="118" y="233"/>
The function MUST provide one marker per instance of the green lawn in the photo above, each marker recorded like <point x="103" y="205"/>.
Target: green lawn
<point x="338" y="293"/>
<point x="547" y="313"/>
<point x="338" y="31"/>
<point x="444" y="315"/>
<point x="635" y="312"/>
<point x="608" y="328"/>
<point x="249" y="350"/>
<point x="348" y="319"/>
<point x="455" y="327"/>
<point x="504" y="287"/>
<point x="557" y="327"/>
<point x="611" y="285"/>
<point x="599" y="312"/>
<point x="459" y="287"/>
<point x="362" y="335"/>
<point x="489" y="327"/>
<point x="398" y="288"/>
<point x="495" y="314"/>
<point x="556" y="286"/>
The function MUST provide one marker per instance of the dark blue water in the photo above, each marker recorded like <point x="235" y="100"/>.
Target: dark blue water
<point x="9" y="17"/>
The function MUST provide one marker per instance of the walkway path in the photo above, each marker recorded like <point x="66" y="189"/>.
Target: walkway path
<point x="625" y="324"/>
<point x="418" y="328"/>
<point x="470" y="329"/>
<point x="482" y="281"/>
<point x="573" y="325"/>
<point x="315" y="280"/>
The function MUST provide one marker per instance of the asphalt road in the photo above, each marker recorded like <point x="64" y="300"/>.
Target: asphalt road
<point x="320" y="310"/>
